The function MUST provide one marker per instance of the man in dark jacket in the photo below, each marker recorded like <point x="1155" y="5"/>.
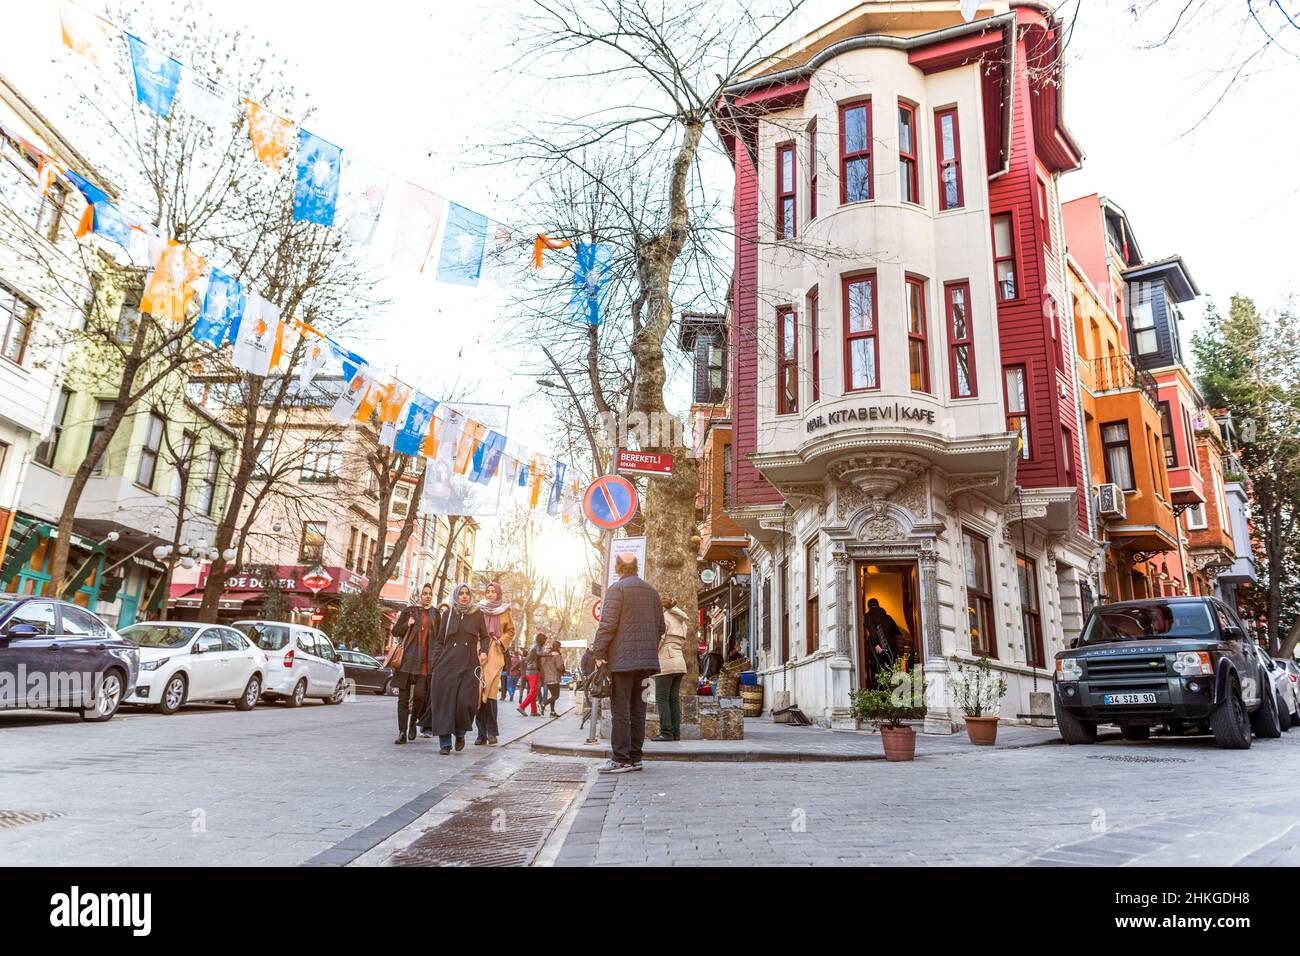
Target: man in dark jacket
<point x="631" y="623"/>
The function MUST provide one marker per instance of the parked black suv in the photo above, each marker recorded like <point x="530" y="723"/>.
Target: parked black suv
<point x="1183" y="663"/>
<point x="57" y="654"/>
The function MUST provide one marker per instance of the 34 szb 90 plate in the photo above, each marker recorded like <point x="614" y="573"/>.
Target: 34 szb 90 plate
<point x="1129" y="699"/>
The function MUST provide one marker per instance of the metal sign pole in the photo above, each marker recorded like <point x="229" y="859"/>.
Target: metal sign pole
<point x="593" y="706"/>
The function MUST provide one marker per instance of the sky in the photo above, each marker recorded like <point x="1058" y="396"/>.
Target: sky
<point x="422" y="89"/>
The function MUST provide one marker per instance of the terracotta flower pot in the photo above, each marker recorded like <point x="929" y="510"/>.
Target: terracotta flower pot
<point x="982" y="730"/>
<point x="900" y="742"/>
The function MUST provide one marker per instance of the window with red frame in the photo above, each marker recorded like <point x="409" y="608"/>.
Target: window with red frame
<point x="909" y="183"/>
<point x="861" y="358"/>
<point x="1004" y="257"/>
<point x="787" y="362"/>
<point x="855" y="152"/>
<point x="785" y="192"/>
<point x="812" y="170"/>
<point x="1017" y="405"/>
<point x="814" y="302"/>
<point x="961" y="340"/>
<point x="947" y="140"/>
<point x="918" y="349"/>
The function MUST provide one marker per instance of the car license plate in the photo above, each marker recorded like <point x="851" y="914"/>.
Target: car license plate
<point x="1129" y="699"/>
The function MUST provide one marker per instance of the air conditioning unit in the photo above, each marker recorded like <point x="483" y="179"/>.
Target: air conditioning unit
<point x="1110" y="501"/>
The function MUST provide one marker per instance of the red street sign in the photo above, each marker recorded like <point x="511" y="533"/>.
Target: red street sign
<point x="645" y="463"/>
<point x="595" y="610"/>
<point x="610" y="502"/>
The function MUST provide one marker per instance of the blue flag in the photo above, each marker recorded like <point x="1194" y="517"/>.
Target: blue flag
<point x="557" y="489"/>
<point x="591" y="282"/>
<point x="156" y="76"/>
<point x="414" y="424"/>
<point x="106" y="219"/>
<point x="316" y="193"/>
<point x="350" y="360"/>
<point x="488" y="458"/>
<point x="223" y="307"/>
<point x="462" y="246"/>
<point x="523" y="474"/>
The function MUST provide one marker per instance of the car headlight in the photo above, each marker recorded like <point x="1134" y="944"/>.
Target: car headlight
<point x="1068" y="668"/>
<point x="154" y="665"/>
<point x="1188" y="663"/>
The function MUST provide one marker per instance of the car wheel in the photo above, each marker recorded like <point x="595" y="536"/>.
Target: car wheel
<point x="1135" y="731"/>
<point x="299" y="694"/>
<point x="1229" y="722"/>
<point x="173" y="695"/>
<point x="251" y="694"/>
<point x="337" y="697"/>
<point x="1073" y="730"/>
<point x="1284" y="718"/>
<point x="108" y="700"/>
<point x="1264" y="722"/>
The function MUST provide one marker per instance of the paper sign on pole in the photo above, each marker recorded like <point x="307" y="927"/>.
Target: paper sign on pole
<point x="633" y="546"/>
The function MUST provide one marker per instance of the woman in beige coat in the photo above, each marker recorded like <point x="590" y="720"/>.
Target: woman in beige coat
<point x="672" y="666"/>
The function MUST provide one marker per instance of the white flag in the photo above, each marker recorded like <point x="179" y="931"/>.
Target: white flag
<point x="388" y="434"/>
<point x="206" y="100"/>
<point x="362" y="191"/>
<point x="258" y="331"/>
<point x="345" y="409"/>
<point x="312" y="361"/>
<point x="501" y="256"/>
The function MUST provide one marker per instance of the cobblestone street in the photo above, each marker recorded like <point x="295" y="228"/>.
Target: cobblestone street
<point x="325" y="786"/>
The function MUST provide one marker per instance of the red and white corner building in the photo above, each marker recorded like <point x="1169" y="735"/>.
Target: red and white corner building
<point x="905" y="407"/>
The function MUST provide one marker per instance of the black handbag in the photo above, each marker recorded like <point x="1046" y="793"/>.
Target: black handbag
<point x="600" y="685"/>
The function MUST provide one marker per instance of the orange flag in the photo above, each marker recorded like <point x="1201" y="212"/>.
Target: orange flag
<point x="172" y="285"/>
<point x="270" y="134"/>
<point x="286" y="340"/>
<point x="544" y="242"/>
<point x="390" y="405"/>
<point x="375" y="392"/>
<point x="86" y="33"/>
<point x="536" y="473"/>
<point x="471" y="436"/>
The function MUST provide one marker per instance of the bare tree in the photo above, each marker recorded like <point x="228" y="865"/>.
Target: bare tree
<point x="516" y="558"/>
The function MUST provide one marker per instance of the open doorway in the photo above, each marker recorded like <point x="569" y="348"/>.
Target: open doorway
<point x="886" y="607"/>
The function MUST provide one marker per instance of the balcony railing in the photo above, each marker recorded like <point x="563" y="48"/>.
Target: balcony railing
<point x="1115" y="372"/>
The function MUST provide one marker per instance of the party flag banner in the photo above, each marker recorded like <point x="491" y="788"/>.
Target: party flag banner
<point x="345" y="408"/>
<point x="413" y="424"/>
<point x="204" y="99"/>
<point x="544" y="242"/>
<point x="86" y="33"/>
<point x="173" y="283"/>
<point x="156" y="76"/>
<point x="462" y="246"/>
<point x="255" y="340"/>
<point x="268" y="133"/>
<point x="313" y="360"/>
<point x="392" y="402"/>
<point x="100" y="216"/>
<point x="488" y="460"/>
<point x="286" y="341"/>
<point x="591" y="271"/>
<point x="557" y="488"/>
<point x="316" y="191"/>
<point x="223" y="305"/>
<point x="362" y="190"/>
<point x="498" y="252"/>
<point x="349" y="360"/>
<point x="417" y="226"/>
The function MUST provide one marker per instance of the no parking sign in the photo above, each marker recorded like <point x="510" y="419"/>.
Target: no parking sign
<point x="610" y="502"/>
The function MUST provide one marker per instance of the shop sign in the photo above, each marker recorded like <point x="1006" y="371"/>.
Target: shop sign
<point x="892" y="412"/>
<point x="316" y="580"/>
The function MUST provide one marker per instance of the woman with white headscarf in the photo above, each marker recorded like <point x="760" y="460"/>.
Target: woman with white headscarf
<point x="461" y="652"/>
<point x="496" y="615"/>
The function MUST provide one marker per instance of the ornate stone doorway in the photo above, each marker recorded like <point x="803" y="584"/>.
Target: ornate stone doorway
<point x="887" y="613"/>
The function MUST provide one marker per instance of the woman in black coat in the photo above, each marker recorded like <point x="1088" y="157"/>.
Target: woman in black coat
<point x="457" y="658"/>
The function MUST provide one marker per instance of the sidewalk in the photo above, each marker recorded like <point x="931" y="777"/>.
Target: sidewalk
<point x="766" y="742"/>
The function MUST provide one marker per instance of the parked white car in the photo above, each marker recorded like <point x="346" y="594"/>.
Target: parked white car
<point x="183" y="663"/>
<point x="301" y="662"/>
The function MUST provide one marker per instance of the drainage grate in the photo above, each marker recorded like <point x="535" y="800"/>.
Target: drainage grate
<point x="504" y="828"/>
<point x="17" y="818"/>
<point x="1137" y="758"/>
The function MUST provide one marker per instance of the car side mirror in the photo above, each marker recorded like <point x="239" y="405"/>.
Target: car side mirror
<point x="21" y="629"/>
<point x="198" y="648"/>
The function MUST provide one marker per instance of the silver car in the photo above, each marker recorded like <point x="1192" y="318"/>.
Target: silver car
<point x="1288" y="681"/>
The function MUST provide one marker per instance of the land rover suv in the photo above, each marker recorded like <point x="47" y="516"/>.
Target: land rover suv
<point x="1179" y="663"/>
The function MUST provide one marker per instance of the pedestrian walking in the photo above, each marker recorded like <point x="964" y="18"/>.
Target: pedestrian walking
<point x="672" y="666"/>
<point x="533" y="673"/>
<point x="414" y="635"/>
<point x="460" y="653"/>
<point x="501" y="634"/>
<point x="627" y="640"/>
<point x="552" y="670"/>
<point x="513" y="678"/>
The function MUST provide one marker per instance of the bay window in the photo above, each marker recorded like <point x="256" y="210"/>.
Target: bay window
<point x="785" y="192"/>
<point x="961" y="341"/>
<point x="787" y="362"/>
<point x="855" y="152"/>
<point x="909" y="186"/>
<point x="1116" y="454"/>
<point x="918" y="351"/>
<point x="947" y="147"/>
<point x="1017" y="406"/>
<point x="861" y="358"/>
<point x="1143" y="322"/>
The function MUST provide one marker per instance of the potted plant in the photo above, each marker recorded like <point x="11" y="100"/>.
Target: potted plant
<point x="896" y="697"/>
<point x="980" y="692"/>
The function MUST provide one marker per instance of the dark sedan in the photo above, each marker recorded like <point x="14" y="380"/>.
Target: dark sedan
<point x="365" y="672"/>
<point x="55" y="654"/>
